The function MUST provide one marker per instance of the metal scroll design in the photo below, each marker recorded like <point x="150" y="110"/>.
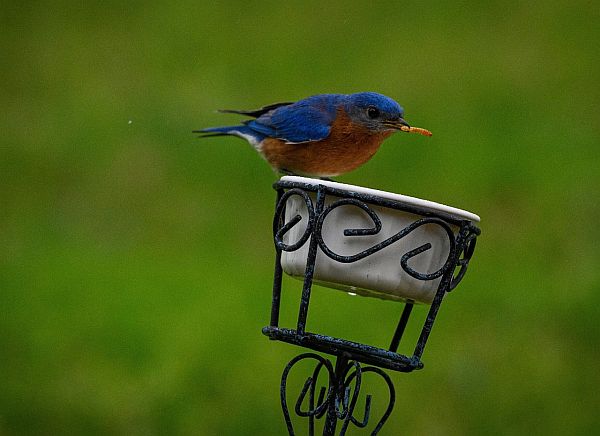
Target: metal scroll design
<point x="467" y="248"/>
<point x="338" y="400"/>
<point x="280" y="229"/>
<point x="315" y="225"/>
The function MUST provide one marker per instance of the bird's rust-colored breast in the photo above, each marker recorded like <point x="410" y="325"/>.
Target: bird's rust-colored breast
<point x="348" y="146"/>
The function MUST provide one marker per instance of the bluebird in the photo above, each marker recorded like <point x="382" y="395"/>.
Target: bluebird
<point x="323" y="135"/>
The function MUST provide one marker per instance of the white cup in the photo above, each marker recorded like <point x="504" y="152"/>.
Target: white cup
<point x="379" y="274"/>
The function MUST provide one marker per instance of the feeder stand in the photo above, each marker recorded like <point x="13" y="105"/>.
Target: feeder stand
<point x="320" y="199"/>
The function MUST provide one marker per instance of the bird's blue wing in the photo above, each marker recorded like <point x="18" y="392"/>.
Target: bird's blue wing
<point x="304" y="121"/>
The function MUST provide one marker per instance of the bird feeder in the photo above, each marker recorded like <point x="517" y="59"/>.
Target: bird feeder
<point x="371" y="243"/>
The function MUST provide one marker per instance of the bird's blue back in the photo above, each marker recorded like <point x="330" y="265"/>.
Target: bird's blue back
<point x="306" y="120"/>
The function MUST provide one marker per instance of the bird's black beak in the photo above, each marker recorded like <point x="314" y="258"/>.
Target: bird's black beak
<point x="398" y="124"/>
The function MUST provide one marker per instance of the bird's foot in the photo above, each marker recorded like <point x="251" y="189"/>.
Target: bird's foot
<point x="284" y="172"/>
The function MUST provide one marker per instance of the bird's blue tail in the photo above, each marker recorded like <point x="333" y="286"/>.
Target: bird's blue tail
<point x="242" y="131"/>
<point x="217" y="131"/>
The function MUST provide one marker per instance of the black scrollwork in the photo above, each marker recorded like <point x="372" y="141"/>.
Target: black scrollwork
<point x="392" y="239"/>
<point x="338" y="400"/>
<point x="459" y="255"/>
<point x="462" y="262"/>
<point x="314" y="411"/>
<point x="390" y="407"/>
<point x="280" y="228"/>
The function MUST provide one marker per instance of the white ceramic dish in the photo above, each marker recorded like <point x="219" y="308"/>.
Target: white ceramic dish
<point x="379" y="274"/>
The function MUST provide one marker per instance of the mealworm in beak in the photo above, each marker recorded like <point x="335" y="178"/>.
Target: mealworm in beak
<point x="418" y="130"/>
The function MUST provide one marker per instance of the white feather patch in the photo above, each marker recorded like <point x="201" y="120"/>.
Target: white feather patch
<point x="254" y="142"/>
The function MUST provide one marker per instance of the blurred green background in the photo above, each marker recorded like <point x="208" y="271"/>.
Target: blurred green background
<point x="136" y="260"/>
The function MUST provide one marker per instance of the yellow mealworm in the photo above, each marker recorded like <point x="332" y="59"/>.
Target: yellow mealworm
<point x="419" y="130"/>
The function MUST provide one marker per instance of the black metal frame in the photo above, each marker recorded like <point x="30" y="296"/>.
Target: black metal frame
<point x="339" y="399"/>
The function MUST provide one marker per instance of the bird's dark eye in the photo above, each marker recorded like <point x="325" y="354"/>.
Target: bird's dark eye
<point x="372" y="112"/>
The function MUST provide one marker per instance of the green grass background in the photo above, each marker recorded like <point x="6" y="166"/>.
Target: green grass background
<point x="136" y="261"/>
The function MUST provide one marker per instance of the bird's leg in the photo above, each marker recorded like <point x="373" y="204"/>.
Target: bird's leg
<point x="284" y="172"/>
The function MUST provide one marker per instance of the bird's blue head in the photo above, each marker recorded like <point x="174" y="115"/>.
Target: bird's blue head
<point x="375" y="111"/>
